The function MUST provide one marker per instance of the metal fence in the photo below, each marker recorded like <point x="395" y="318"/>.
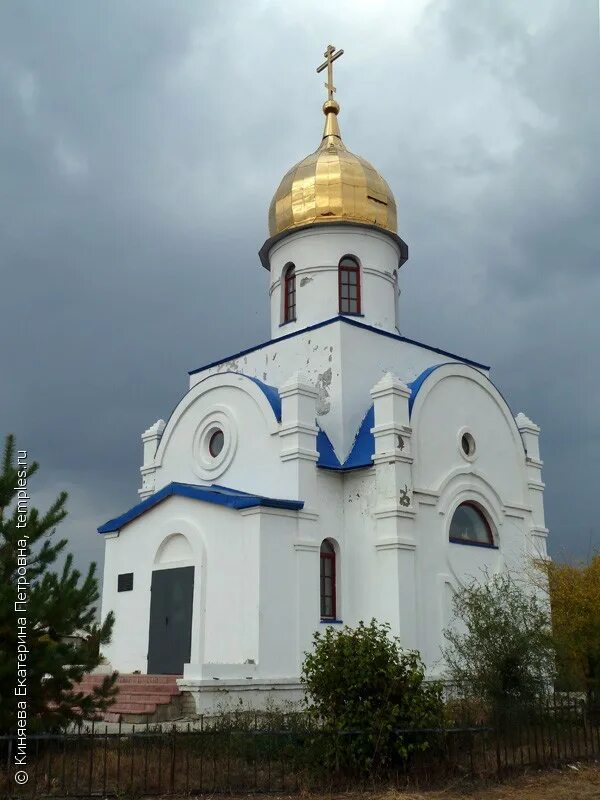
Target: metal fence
<point x="280" y="754"/>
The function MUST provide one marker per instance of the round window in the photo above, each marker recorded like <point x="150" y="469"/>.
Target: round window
<point x="216" y="442"/>
<point x="467" y="442"/>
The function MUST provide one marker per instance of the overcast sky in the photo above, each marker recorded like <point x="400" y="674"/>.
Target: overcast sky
<point x="140" y="145"/>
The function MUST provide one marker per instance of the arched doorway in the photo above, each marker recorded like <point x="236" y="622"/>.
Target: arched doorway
<point x="171" y="605"/>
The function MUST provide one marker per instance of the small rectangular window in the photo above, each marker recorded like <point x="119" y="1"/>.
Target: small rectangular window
<point x="125" y="582"/>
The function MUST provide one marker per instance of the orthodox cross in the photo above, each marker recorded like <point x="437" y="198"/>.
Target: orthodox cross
<point x="330" y="56"/>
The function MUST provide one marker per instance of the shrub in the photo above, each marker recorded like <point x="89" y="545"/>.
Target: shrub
<point x="500" y="652"/>
<point x="361" y="688"/>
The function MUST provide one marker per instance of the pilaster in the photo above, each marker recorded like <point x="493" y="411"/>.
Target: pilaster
<point x="394" y="511"/>
<point x="530" y="433"/>
<point x="298" y="436"/>
<point x="150" y="439"/>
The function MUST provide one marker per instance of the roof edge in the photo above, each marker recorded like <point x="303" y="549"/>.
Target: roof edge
<point x="348" y="321"/>
<point x="263" y="253"/>
<point x="213" y="493"/>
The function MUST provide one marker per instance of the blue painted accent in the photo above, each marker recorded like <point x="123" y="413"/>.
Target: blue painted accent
<point x="364" y="444"/>
<point x="332" y="622"/>
<point x="415" y="385"/>
<point x="361" y="452"/>
<point x="348" y="321"/>
<point x="220" y="495"/>
<point x="270" y="392"/>
<point x="327" y="457"/>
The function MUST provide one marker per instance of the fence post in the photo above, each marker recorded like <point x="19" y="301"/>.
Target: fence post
<point x="172" y="773"/>
<point x="498" y="756"/>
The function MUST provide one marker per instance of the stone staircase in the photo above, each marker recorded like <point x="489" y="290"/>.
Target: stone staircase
<point x="141" y="698"/>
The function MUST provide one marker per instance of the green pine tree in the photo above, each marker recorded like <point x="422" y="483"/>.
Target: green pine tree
<point x="58" y="605"/>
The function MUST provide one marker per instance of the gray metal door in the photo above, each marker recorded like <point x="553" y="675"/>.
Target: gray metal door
<point x="170" y="634"/>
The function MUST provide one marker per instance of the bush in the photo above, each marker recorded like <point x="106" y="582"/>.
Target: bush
<point x="501" y="651"/>
<point x="361" y="688"/>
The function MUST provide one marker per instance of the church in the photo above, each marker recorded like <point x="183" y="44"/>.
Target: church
<point x="337" y="472"/>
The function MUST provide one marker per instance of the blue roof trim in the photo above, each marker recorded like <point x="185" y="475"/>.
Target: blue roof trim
<point x="327" y="457"/>
<point x="363" y="448"/>
<point x="348" y="321"/>
<point x="361" y="454"/>
<point x="220" y="495"/>
<point x="270" y="392"/>
<point x="415" y="385"/>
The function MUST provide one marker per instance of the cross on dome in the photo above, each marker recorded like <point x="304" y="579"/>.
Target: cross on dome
<point x="332" y="184"/>
<point x="330" y="56"/>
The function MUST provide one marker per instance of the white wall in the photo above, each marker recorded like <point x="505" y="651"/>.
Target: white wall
<point x="257" y="572"/>
<point x="316" y="253"/>
<point x="225" y="557"/>
<point x="342" y="362"/>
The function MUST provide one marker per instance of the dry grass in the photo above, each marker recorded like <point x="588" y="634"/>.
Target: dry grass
<point x="582" y="783"/>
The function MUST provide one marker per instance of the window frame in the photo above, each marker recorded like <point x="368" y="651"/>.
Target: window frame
<point x="491" y="543"/>
<point x="352" y="268"/>
<point x="211" y="439"/>
<point x="289" y="288"/>
<point x="331" y="557"/>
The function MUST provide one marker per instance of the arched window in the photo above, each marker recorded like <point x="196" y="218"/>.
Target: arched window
<point x="328" y="589"/>
<point x="470" y="526"/>
<point x="349" y="285"/>
<point x="289" y="294"/>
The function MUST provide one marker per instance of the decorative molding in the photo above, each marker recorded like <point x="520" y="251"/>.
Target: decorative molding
<point x="396" y="543"/>
<point x="534" y="462"/>
<point x="515" y="510"/>
<point x="426" y="497"/>
<point x="291" y="428"/>
<point x="206" y="466"/>
<point x="392" y="427"/>
<point x="299" y="454"/>
<point x="389" y="384"/>
<point x="536" y="486"/>
<point x="393" y="457"/>
<point x="278" y="512"/>
<point x="394" y="511"/>
<point x="525" y="425"/>
<point x="307" y="547"/>
<point x="540" y="531"/>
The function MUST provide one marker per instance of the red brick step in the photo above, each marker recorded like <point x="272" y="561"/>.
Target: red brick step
<point x="140" y="698"/>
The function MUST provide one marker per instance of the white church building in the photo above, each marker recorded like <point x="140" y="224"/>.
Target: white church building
<point x="337" y="472"/>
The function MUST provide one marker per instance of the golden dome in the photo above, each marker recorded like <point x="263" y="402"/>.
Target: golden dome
<point x="332" y="185"/>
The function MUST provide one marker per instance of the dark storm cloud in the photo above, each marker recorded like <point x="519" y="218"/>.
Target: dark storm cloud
<point x="140" y="145"/>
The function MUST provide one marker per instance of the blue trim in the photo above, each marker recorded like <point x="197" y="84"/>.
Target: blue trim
<point x="341" y="318"/>
<point x="332" y="622"/>
<point x="415" y="385"/>
<point x="327" y="457"/>
<point x="361" y="452"/>
<point x="474" y="544"/>
<point x="270" y="392"/>
<point x="401" y="338"/>
<point x="220" y="495"/>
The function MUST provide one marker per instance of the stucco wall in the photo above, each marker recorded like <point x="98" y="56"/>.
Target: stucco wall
<point x="316" y="253"/>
